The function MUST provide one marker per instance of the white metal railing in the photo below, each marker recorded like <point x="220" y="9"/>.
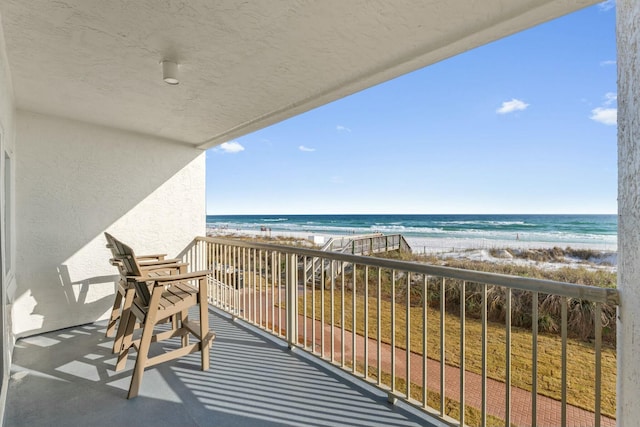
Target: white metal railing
<point x="392" y="323"/>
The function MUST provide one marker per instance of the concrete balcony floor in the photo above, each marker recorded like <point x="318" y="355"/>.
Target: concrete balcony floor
<point x="66" y="378"/>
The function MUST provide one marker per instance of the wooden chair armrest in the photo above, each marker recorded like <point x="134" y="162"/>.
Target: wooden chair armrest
<point x="158" y="257"/>
<point x="146" y="263"/>
<point x="156" y="267"/>
<point x="180" y="277"/>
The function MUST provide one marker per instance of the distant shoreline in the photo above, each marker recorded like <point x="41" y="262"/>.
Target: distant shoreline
<point x="433" y="234"/>
<point x="431" y="245"/>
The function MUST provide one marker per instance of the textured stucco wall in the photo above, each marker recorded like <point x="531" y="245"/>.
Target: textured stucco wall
<point x="8" y="280"/>
<point x="74" y="181"/>
<point x="628" y="37"/>
<point x="7" y="135"/>
<point x="6" y="93"/>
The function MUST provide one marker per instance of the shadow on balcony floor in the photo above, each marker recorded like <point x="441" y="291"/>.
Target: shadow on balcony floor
<point x="66" y="378"/>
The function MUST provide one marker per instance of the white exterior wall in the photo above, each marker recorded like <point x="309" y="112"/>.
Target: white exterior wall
<point x="7" y="279"/>
<point x="73" y="182"/>
<point x="628" y="37"/>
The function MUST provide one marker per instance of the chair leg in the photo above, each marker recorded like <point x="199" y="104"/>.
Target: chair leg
<point x="127" y="339"/>
<point x="124" y="319"/>
<point x="141" y="359"/>
<point x="145" y="341"/>
<point x="174" y="322"/>
<point x="184" y="317"/>
<point x="115" y="314"/>
<point x="204" y="325"/>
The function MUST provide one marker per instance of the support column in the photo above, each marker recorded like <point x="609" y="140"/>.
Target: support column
<point x="628" y="39"/>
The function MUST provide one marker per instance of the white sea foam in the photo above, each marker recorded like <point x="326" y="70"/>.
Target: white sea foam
<point x="444" y="244"/>
<point x="437" y="235"/>
<point x="482" y="222"/>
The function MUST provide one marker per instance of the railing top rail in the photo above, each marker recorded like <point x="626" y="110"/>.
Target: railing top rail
<point x="327" y="245"/>
<point x="571" y="290"/>
<point x="356" y="237"/>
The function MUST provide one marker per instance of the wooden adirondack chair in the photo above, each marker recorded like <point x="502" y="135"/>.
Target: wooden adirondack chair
<point x="151" y="265"/>
<point x="157" y="299"/>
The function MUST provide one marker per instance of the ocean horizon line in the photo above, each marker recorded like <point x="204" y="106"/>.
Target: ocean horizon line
<point x="433" y="214"/>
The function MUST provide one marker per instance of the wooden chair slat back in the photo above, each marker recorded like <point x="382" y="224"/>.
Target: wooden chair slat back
<point x="142" y="292"/>
<point x="114" y="244"/>
<point x="129" y="262"/>
<point x="125" y="257"/>
<point x="110" y="239"/>
<point x="128" y="266"/>
<point x="111" y="244"/>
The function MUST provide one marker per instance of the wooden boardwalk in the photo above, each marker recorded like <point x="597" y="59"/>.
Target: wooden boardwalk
<point x="368" y="244"/>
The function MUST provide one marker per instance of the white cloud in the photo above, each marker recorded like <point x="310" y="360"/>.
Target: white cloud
<point x="231" y="147"/>
<point x="511" y="106"/>
<point x="608" y="62"/>
<point x="308" y="149"/>
<point x="610" y="98"/>
<point x="607" y="116"/>
<point x="607" y="5"/>
<point x="341" y="128"/>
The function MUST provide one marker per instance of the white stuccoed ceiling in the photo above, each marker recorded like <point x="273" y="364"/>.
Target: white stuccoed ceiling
<point x="243" y="64"/>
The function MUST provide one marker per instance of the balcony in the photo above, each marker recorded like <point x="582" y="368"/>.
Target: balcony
<point x="285" y="351"/>
<point x="66" y="378"/>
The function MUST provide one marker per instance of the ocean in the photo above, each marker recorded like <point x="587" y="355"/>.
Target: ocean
<point x="593" y="231"/>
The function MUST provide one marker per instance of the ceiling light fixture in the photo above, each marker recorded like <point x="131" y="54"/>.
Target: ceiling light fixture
<point x="170" y="72"/>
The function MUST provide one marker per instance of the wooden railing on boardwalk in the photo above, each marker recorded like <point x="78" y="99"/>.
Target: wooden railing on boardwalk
<point x="369" y="244"/>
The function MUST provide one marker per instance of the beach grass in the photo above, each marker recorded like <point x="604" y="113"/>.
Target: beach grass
<point x="581" y="313"/>
<point x="579" y="274"/>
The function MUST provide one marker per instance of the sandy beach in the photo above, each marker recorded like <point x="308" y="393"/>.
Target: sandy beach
<point x="473" y="249"/>
<point x="427" y="245"/>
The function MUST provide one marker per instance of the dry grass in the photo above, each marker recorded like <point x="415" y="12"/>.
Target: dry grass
<point x="554" y="254"/>
<point x="580" y="369"/>
<point x="276" y="240"/>
<point x="581" y="312"/>
<point x="578" y="275"/>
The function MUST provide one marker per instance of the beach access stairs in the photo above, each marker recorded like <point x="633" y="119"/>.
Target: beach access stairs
<point x="363" y="244"/>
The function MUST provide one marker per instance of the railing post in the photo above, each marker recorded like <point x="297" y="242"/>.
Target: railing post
<point x="292" y="300"/>
<point x="201" y="254"/>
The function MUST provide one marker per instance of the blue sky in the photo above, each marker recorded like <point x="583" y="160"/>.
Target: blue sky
<point x="526" y="124"/>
